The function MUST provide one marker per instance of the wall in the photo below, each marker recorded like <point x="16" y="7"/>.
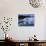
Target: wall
<point x="11" y="8"/>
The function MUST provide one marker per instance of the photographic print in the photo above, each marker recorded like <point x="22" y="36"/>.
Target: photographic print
<point x="26" y="19"/>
